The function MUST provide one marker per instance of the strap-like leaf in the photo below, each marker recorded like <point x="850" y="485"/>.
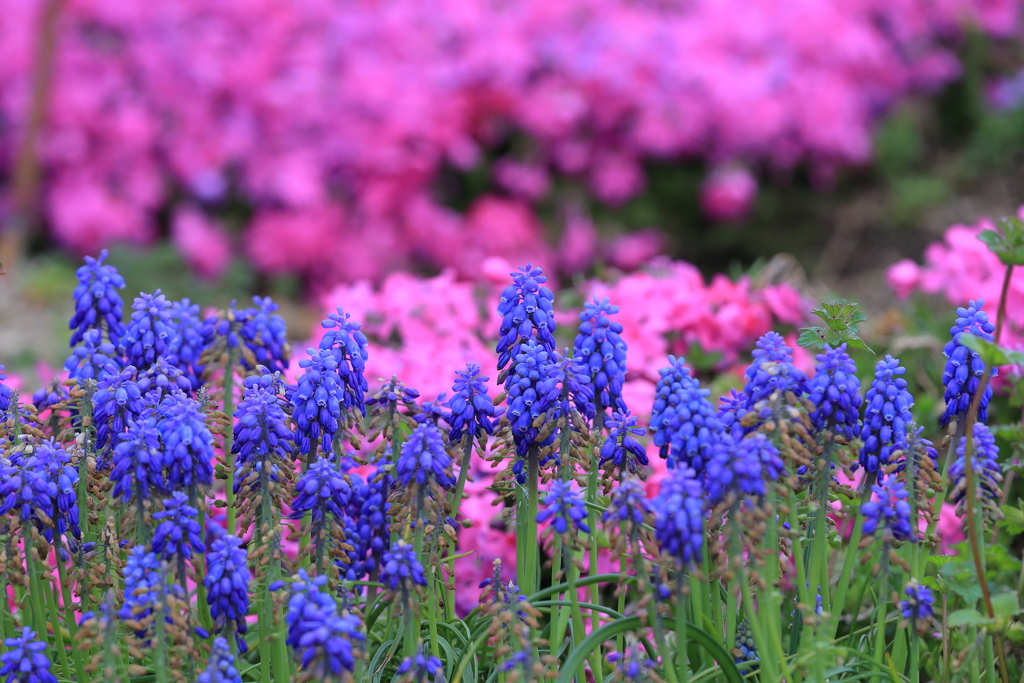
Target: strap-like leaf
<point x="609" y="631"/>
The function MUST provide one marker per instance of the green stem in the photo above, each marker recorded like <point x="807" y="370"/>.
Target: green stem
<point x="229" y="457"/>
<point x="915" y="655"/>
<point x="530" y="570"/>
<point x="69" y="611"/>
<point x="160" y="656"/>
<point x="852" y="549"/>
<point x="681" y="639"/>
<point x="595" y="459"/>
<point x="6" y="616"/>
<point x="435" y="648"/>
<point x="880" y="614"/>
<point x="36" y="599"/>
<point x="990" y="658"/>
<point x="58" y="636"/>
<point x="740" y="573"/>
<point x="819" y="534"/>
<point x="198" y="566"/>
<point x="654" y="617"/>
<point x="557" y="631"/>
<point x="467" y="452"/>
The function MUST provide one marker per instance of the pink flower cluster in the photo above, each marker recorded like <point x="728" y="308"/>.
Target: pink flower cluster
<point x="422" y="330"/>
<point x="961" y="267"/>
<point x="331" y="119"/>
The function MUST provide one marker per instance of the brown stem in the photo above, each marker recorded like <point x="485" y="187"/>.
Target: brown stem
<point x="26" y="170"/>
<point x="972" y="531"/>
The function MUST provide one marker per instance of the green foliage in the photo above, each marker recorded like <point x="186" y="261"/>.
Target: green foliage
<point x="991" y="353"/>
<point x="1006" y="242"/>
<point x="842" y="325"/>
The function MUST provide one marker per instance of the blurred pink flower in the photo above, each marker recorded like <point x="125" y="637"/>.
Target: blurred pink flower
<point x="630" y="251"/>
<point x="904" y="277"/>
<point x="728" y="193"/>
<point x="201" y="241"/>
<point x="579" y="243"/>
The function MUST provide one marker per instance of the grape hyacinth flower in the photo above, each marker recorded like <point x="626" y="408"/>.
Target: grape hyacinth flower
<point x="227" y="585"/>
<point x="401" y="569"/>
<point x="835" y="392"/>
<point x="188" y="346"/>
<point x="187" y="443"/>
<point x="394" y="394"/>
<point x="620" y="448"/>
<point x="138" y="463"/>
<point x="368" y="512"/>
<point x="772" y="370"/>
<point x="887" y="413"/>
<point x="25" y="660"/>
<point x="889" y="512"/>
<point x="178" y="534"/>
<point x="433" y="411"/>
<point x="143" y="586"/>
<point x="94" y="359"/>
<point x="38" y="483"/>
<point x="318" y="402"/>
<point x="472" y="410"/>
<point x="524" y="404"/>
<point x="742" y="468"/>
<point x="988" y="476"/>
<point x="744" y="648"/>
<point x="679" y="516"/>
<point x="685" y="426"/>
<point x="150" y="333"/>
<point x="6" y="393"/>
<point x="564" y="508"/>
<point x="628" y="504"/>
<point x="347" y="344"/>
<point x="420" y="669"/>
<point x="731" y="409"/>
<point x="221" y="668"/>
<point x="424" y="459"/>
<point x="117" y="401"/>
<point x="161" y="379"/>
<point x="564" y="387"/>
<point x="964" y="368"/>
<point x="266" y="335"/>
<point x="601" y="349"/>
<point x="98" y="304"/>
<point x="323" y="492"/>
<point x="527" y="314"/>
<point x="48" y="396"/>
<point x="917" y="608"/>
<point x="262" y="440"/>
<point x="325" y="642"/>
<point x="631" y="667"/>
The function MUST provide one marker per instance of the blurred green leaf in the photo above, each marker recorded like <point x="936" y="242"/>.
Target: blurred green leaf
<point x="1007" y="242"/>
<point x="1013" y="519"/>
<point x="991" y="353"/>
<point x="961" y="579"/>
<point x="967" y="617"/>
<point x="1006" y="605"/>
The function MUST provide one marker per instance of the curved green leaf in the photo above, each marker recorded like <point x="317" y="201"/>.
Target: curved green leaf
<point x="609" y="631"/>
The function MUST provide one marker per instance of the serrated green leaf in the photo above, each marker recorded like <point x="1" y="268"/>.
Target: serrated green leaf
<point x="1006" y="605"/>
<point x="1013" y="519"/>
<point x="961" y="579"/>
<point x="942" y="560"/>
<point x="991" y="353"/>
<point x="812" y="336"/>
<point x="842" y="323"/>
<point x="1007" y="243"/>
<point x="967" y="617"/>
